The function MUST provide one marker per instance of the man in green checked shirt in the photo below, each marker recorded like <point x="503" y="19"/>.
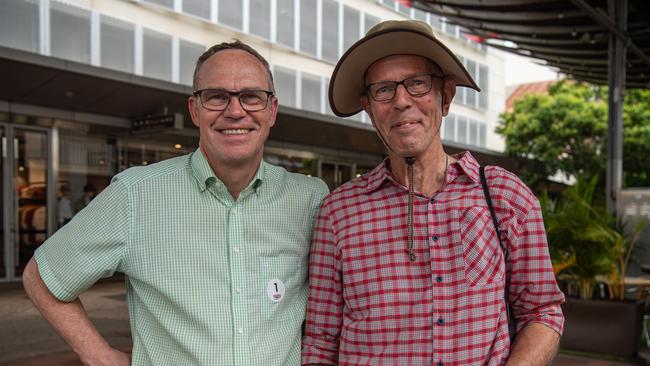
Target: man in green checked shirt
<point x="213" y="244"/>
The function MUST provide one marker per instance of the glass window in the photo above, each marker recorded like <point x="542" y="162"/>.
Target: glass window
<point x="420" y="15"/>
<point x="117" y="44"/>
<point x="292" y="163"/>
<point x="404" y="9"/>
<point x="146" y="150"/>
<point x="230" y="13"/>
<point x="370" y="21"/>
<point x="450" y="28"/>
<point x="189" y="53"/>
<point x="165" y="3"/>
<point x="85" y="160"/>
<point x="199" y="8"/>
<point x="310" y="92"/>
<point x="350" y="27"/>
<point x="470" y="94"/>
<point x="473" y="133"/>
<point x="260" y="18"/>
<point x="156" y="55"/>
<point x="330" y="33"/>
<point x="481" y="135"/>
<point x="285" y="22"/>
<point x="461" y="125"/>
<point x="308" y="26"/>
<point x="389" y="3"/>
<point x="435" y="22"/>
<point x="19" y="25"/>
<point x="285" y="85"/>
<point x="483" y="83"/>
<point x="449" y="124"/>
<point x="328" y="107"/>
<point x="70" y="32"/>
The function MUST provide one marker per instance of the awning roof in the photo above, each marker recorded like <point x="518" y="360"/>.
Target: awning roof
<point x="571" y="36"/>
<point x="36" y="80"/>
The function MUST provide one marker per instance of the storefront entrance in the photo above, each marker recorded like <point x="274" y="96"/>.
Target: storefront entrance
<point x="25" y="176"/>
<point x="336" y="173"/>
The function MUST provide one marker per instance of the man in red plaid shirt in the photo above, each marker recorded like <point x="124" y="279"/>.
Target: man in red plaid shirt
<point x="406" y="267"/>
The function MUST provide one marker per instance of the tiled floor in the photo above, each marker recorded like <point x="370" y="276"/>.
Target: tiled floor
<point x="27" y="340"/>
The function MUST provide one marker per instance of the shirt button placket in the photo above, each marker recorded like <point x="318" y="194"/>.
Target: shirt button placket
<point x="237" y="271"/>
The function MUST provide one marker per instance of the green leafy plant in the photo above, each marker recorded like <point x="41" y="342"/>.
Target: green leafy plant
<point x="565" y="132"/>
<point x="622" y="247"/>
<point x="586" y="241"/>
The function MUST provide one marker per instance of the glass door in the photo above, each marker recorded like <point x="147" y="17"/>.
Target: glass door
<point x="5" y="249"/>
<point x="26" y="171"/>
<point x="335" y="174"/>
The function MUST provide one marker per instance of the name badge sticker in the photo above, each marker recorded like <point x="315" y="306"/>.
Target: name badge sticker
<point x="275" y="290"/>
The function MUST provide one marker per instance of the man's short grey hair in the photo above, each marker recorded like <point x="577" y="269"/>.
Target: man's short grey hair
<point x="234" y="45"/>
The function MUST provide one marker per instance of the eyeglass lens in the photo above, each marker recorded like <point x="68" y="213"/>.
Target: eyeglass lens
<point x="218" y="99"/>
<point x="415" y="86"/>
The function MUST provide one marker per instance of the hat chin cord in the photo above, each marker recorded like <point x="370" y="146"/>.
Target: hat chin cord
<point x="410" y="160"/>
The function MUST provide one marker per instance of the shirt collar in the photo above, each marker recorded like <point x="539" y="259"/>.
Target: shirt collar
<point x="466" y="165"/>
<point x="205" y="177"/>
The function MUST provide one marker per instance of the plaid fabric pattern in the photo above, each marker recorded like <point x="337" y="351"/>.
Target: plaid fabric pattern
<point x="201" y="268"/>
<point x="369" y="305"/>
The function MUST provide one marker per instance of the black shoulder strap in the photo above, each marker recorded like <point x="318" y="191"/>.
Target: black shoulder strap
<point x="506" y="292"/>
<point x="488" y="198"/>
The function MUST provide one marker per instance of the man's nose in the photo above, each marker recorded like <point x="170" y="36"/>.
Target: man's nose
<point x="402" y="97"/>
<point x="235" y="108"/>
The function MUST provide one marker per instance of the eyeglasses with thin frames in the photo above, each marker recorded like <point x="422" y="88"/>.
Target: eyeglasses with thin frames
<point x="416" y="86"/>
<point x="218" y="99"/>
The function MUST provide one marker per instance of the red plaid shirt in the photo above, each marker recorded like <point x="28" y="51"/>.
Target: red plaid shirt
<point x="369" y="305"/>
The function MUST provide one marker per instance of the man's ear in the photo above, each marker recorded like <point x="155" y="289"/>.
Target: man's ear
<point x="365" y="103"/>
<point x="193" y="105"/>
<point x="449" y="91"/>
<point x="274" y="111"/>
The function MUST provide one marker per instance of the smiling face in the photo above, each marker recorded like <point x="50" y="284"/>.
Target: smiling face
<point x="233" y="136"/>
<point x="409" y="125"/>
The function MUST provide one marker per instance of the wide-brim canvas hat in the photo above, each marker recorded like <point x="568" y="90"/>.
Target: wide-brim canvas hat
<point x="391" y="37"/>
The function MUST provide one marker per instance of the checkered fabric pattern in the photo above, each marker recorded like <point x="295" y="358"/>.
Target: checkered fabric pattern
<point x="210" y="281"/>
<point x="369" y="305"/>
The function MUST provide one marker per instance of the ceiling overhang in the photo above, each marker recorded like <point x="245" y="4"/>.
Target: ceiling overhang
<point x="35" y="80"/>
<point x="570" y="36"/>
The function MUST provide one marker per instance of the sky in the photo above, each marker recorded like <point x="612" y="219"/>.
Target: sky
<point x="521" y="70"/>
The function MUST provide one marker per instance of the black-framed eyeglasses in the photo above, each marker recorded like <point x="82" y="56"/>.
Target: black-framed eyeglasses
<point x="416" y="86"/>
<point x="218" y="99"/>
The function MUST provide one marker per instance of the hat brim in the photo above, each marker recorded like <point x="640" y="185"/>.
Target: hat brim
<point x="347" y="83"/>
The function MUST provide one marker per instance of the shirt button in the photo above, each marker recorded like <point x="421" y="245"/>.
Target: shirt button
<point x="240" y="330"/>
<point x="438" y="279"/>
<point x="435" y="238"/>
<point x="233" y="211"/>
<point x="440" y="364"/>
<point x="441" y="321"/>
<point x="432" y="200"/>
<point x="238" y="290"/>
<point x="235" y="249"/>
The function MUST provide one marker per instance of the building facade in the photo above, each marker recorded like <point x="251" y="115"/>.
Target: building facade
<point x="89" y="88"/>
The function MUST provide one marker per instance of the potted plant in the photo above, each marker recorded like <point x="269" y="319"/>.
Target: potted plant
<point x="587" y="242"/>
<point x="574" y="226"/>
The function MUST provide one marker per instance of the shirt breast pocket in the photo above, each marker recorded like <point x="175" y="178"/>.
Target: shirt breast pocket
<point x="284" y="280"/>
<point x="482" y="254"/>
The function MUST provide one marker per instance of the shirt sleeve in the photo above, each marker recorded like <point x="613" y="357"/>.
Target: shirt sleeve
<point x="89" y="247"/>
<point x="325" y="305"/>
<point x="534" y="293"/>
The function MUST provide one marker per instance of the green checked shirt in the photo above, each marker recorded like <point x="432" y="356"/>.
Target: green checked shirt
<point x="210" y="281"/>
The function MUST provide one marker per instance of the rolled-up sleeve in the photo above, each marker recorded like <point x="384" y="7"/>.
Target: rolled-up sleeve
<point x="534" y="293"/>
<point x="325" y="306"/>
